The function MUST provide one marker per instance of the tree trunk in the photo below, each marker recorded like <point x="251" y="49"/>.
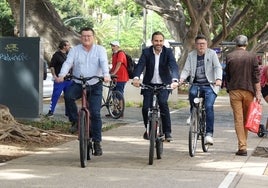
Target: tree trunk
<point x="42" y="20"/>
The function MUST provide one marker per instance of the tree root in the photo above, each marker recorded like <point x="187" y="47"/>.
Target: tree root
<point x="11" y="130"/>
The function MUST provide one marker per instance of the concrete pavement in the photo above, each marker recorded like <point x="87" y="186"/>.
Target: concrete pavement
<point x="125" y="159"/>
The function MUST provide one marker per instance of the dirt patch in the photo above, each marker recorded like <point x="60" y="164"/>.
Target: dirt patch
<point x="10" y="149"/>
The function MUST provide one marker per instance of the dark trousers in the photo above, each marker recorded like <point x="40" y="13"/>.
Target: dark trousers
<point x="94" y="92"/>
<point x="163" y="105"/>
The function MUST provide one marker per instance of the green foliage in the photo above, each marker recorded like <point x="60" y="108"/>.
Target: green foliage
<point x="48" y="124"/>
<point x="6" y="21"/>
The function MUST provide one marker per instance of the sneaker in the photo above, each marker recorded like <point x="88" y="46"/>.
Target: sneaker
<point x="145" y="136"/>
<point x="168" y="137"/>
<point x="73" y="128"/>
<point x="97" y="149"/>
<point x="188" y="121"/>
<point x="208" y="140"/>
<point x="242" y="152"/>
<point x="49" y="114"/>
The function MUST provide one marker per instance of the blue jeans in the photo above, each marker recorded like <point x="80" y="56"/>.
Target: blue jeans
<point x="163" y="105"/>
<point x="210" y="98"/>
<point x="120" y="86"/>
<point x="94" y="96"/>
<point x="57" y="90"/>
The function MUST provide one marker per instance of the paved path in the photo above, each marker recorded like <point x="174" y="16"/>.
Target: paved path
<point x="125" y="159"/>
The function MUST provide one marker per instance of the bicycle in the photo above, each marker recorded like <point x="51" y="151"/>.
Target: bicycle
<point x="198" y="122"/>
<point x="114" y="102"/>
<point x="155" y="129"/>
<point x="84" y="122"/>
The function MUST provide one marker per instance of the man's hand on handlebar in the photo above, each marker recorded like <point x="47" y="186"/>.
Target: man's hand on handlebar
<point x="218" y="82"/>
<point x="136" y="82"/>
<point x="174" y="85"/>
<point x="106" y="79"/>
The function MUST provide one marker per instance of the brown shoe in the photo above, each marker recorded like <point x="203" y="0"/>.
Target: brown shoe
<point x="242" y="152"/>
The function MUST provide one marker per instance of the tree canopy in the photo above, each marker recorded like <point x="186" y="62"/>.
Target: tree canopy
<point x="219" y="20"/>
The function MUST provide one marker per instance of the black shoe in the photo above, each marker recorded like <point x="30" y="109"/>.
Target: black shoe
<point x="49" y="114"/>
<point x="73" y="128"/>
<point x="168" y="137"/>
<point x="145" y="136"/>
<point x="242" y="152"/>
<point x="97" y="149"/>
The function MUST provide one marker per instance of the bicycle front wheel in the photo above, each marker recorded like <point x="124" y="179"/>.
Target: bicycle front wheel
<point x="83" y="141"/>
<point x="159" y="140"/>
<point x="116" y="104"/>
<point x="152" y="135"/>
<point x="193" y="132"/>
<point x="203" y="131"/>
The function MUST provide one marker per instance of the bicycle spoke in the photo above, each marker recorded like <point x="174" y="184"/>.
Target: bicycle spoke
<point x="193" y="132"/>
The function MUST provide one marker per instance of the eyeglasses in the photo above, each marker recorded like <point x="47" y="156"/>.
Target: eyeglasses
<point x="200" y="43"/>
<point x="86" y="36"/>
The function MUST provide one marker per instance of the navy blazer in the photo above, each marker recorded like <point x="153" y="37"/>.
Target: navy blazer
<point x="168" y="68"/>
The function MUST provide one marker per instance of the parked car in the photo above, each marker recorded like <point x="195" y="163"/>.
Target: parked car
<point x="48" y="85"/>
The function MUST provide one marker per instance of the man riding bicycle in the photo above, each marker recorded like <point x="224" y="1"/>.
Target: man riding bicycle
<point x="86" y="59"/>
<point x="161" y="68"/>
<point x="203" y="67"/>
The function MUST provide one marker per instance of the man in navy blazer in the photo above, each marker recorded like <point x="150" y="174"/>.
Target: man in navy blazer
<point x="158" y="65"/>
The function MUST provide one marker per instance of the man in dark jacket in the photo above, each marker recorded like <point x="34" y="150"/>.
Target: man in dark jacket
<point x="160" y="68"/>
<point x="242" y="74"/>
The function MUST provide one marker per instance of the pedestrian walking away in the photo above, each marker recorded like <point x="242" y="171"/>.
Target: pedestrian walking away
<point x="57" y="60"/>
<point x="204" y="69"/>
<point x="161" y="69"/>
<point x="87" y="60"/>
<point x="243" y="84"/>
<point x="119" y="68"/>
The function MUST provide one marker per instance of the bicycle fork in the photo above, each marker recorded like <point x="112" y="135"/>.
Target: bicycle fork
<point x="157" y="133"/>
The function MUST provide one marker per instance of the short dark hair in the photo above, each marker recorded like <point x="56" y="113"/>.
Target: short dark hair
<point x="200" y="36"/>
<point x="87" y="29"/>
<point x="157" y="33"/>
<point x="62" y="44"/>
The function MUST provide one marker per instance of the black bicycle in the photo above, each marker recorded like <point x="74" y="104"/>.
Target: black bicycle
<point x="84" y="122"/>
<point x="155" y="130"/>
<point x="114" y="101"/>
<point x="197" y="127"/>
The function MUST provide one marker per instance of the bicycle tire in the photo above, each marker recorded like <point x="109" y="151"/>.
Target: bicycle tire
<point x="116" y="106"/>
<point x="152" y="136"/>
<point x="159" y="140"/>
<point x="193" y="132"/>
<point x="203" y="131"/>
<point x="261" y="131"/>
<point x="83" y="141"/>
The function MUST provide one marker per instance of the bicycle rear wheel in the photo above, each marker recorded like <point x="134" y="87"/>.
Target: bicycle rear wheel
<point x="203" y="131"/>
<point x="83" y="141"/>
<point x="116" y="104"/>
<point x="159" y="140"/>
<point x="152" y="136"/>
<point x="193" y="132"/>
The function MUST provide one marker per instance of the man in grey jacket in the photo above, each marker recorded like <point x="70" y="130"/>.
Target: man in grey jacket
<point x="202" y="66"/>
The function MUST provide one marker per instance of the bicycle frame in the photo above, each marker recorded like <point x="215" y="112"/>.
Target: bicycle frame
<point x="84" y="122"/>
<point x="84" y="107"/>
<point x="154" y="129"/>
<point x="198" y="122"/>
<point x="114" y="101"/>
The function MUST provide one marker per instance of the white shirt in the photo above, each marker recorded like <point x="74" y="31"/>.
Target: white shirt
<point x="156" y="78"/>
<point x="87" y="64"/>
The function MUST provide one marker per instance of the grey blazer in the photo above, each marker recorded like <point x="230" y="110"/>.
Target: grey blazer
<point x="213" y="69"/>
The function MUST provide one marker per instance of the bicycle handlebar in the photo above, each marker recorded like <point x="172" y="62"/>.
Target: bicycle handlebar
<point x="83" y="79"/>
<point x="156" y="87"/>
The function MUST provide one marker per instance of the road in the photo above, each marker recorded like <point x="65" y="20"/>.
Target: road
<point x="125" y="159"/>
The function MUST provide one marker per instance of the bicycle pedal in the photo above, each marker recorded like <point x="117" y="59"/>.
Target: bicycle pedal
<point x="161" y="138"/>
